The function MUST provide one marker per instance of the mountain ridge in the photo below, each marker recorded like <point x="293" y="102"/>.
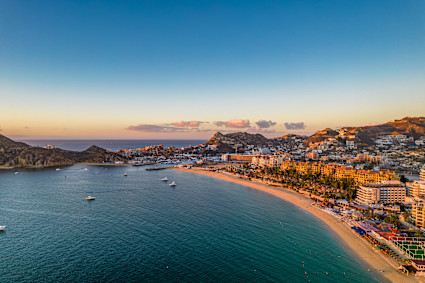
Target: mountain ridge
<point x="21" y="155"/>
<point x="409" y="126"/>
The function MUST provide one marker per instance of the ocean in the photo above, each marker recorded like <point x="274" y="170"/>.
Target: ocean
<point x="112" y="145"/>
<point x="140" y="229"/>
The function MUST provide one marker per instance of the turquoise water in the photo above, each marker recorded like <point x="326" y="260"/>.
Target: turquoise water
<point x="140" y="229"/>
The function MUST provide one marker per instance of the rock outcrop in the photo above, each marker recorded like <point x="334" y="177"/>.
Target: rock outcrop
<point x="16" y="154"/>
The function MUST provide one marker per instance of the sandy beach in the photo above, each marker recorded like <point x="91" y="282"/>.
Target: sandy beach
<point x="379" y="265"/>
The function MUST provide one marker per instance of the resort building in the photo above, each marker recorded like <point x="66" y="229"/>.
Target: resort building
<point x="422" y="174"/>
<point x="339" y="172"/>
<point x="380" y="193"/>
<point x="418" y="213"/>
<point x="416" y="189"/>
<point x="268" y="160"/>
<point x="237" y="157"/>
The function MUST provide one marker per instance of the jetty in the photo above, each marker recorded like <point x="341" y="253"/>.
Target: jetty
<point x="156" y="168"/>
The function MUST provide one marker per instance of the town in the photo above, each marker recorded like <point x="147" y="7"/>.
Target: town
<point x="376" y="188"/>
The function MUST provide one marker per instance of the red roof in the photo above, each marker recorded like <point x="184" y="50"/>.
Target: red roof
<point x="385" y="235"/>
<point x="419" y="262"/>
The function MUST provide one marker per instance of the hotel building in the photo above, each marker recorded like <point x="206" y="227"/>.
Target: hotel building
<point x="381" y="193"/>
<point x="418" y="213"/>
<point x="339" y="172"/>
<point x="416" y="189"/>
<point x="422" y="174"/>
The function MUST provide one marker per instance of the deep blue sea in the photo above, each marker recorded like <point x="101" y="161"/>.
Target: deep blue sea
<point x="140" y="229"/>
<point x="112" y="145"/>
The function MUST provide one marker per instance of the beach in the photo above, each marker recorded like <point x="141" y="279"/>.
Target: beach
<point x="380" y="266"/>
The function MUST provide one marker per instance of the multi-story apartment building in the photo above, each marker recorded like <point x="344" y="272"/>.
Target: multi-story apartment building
<point x="359" y="176"/>
<point x="418" y="213"/>
<point x="416" y="189"/>
<point x="422" y="173"/>
<point x="383" y="192"/>
<point x="237" y="157"/>
<point x="267" y="160"/>
<point x="275" y="161"/>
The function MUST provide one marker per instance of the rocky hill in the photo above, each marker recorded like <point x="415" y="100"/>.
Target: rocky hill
<point x="241" y="140"/>
<point x="16" y="154"/>
<point x="320" y="136"/>
<point x="366" y="135"/>
<point x="409" y="126"/>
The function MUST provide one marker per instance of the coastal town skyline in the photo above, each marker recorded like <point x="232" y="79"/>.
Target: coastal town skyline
<point x="212" y="141"/>
<point x="158" y="70"/>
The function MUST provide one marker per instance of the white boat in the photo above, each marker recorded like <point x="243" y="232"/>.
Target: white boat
<point x="57" y="169"/>
<point x="85" y="169"/>
<point x="90" y="198"/>
<point x="2" y="228"/>
<point x="164" y="179"/>
<point x="16" y="173"/>
<point x="125" y="174"/>
<point x="173" y="184"/>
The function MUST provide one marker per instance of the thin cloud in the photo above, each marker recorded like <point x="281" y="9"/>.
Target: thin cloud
<point x="149" y="128"/>
<point x="190" y="124"/>
<point x="236" y="123"/>
<point x="295" y="126"/>
<point x="153" y="128"/>
<point x="263" y="124"/>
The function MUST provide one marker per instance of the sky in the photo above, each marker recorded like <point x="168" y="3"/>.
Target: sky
<point x="187" y="69"/>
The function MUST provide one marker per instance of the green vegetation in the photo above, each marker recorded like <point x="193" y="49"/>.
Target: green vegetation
<point x="393" y="219"/>
<point x="403" y="179"/>
<point x="419" y="234"/>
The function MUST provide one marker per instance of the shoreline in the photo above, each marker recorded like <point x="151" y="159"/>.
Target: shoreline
<point x="356" y="246"/>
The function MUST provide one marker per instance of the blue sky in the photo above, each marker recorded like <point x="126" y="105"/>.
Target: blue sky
<point x="99" y="69"/>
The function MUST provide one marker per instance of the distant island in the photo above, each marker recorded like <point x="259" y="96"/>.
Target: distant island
<point x="21" y="155"/>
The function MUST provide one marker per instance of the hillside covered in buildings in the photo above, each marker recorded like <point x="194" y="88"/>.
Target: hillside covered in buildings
<point x="407" y="131"/>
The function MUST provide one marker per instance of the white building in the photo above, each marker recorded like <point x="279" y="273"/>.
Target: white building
<point x="416" y="189"/>
<point x="384" y="141"/>
<point x="226" y="157"/>
<point x="349" y="144"/>
<point x="49" y="146"/>
<point x="264" y="150"/>
<point x="383" y="192"/>
<point x="420" y="141"/>
<point x="275" y="161"/>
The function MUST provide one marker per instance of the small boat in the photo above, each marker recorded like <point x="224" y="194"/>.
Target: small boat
<point x="164" y="179"/>
<point x="85" y="169"/>
<point x="57" y="169"/>
<point x="173" y="184"/>
<point x="125" y="174"/>
<point x="16" y="173"/>
<point x="90" y="198"/>
<point x="2" y="228"/>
